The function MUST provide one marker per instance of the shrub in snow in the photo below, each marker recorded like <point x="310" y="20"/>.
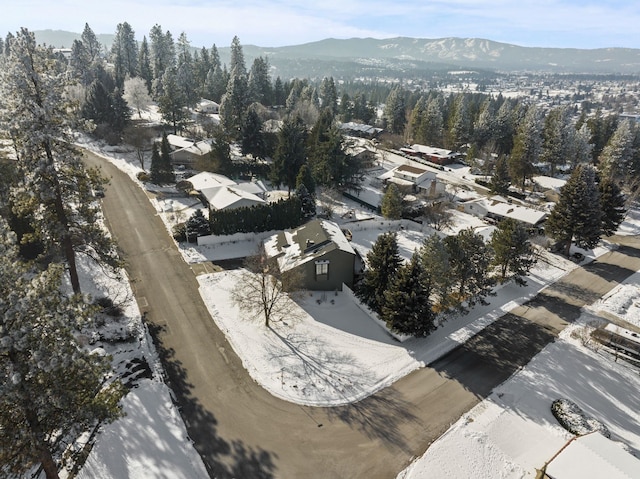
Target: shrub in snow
<point x="143" y="176"/>
<point x="108" y="306"/>
<point x="180" y="232"/>
<point x="574" y="420"/>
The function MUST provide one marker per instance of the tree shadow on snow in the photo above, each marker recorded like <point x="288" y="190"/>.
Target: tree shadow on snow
<point x="222" y="459"/>
<point x="377" y="416"/>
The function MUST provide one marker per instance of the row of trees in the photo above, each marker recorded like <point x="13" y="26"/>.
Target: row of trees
<point x="523" y="134"/>
<point x="51" y="389"/>
<point x="446" y="274"/>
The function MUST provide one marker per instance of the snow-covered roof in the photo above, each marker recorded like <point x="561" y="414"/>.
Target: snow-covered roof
<point x="593" y="456"/>
<point x="186" y="144"/>
<point x="496" y="206"/>
<point x="256" y="187"/>
<point x="207" y="179"/>
<point x="229" y="197"/>
<point x="549" y="183"/>
<point x="205" y="102"/>
<point x="360" y="127"/>
<point x="305" y="243"/>
<point x="432" y="151"/>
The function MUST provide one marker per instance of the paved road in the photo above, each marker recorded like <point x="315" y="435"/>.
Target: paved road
<point x="241" y="431"/>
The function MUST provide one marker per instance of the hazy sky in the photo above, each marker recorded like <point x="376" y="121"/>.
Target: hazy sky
<point x="544" y="23"/>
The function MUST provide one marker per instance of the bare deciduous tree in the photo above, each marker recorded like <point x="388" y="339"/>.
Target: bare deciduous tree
<point x="136" y="94"/>
<point x="264" y="292"/>
<point x="141" y="138"/>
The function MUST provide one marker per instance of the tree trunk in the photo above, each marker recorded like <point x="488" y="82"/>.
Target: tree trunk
<point x="61" y="216"/>
<point x="44" y="453"/>
<point x="48" y="464"/>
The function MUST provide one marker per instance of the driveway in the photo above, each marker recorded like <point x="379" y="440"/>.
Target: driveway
<point x="241" y="431"/>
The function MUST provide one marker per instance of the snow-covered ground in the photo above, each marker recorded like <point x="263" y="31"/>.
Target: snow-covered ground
<point x="512" y="432"/>
<point x="333" y="353"/>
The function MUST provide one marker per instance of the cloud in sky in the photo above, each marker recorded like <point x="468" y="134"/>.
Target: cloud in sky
<point x="548" y="23"/>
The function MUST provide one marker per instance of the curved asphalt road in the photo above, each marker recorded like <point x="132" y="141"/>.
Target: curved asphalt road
<point x="241" y="431"/>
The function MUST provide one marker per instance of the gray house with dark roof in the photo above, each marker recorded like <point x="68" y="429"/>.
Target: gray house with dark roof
<point x="320" y="250"/>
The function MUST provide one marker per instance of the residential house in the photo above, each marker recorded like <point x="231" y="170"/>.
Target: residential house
<point x="186" y="151"/>
<point x="221" y="193"/>
<point x="360" y="129"/>
<point x="415" y="180"/>
<point x="228" y="197"/>
<point x="319" y="250"/>
<point x="439" y="156"/>
<point x="497" y="208"/>
<point x="207" y="107"/>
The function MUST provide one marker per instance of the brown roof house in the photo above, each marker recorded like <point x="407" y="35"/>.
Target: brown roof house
<point x="320" y="250"/>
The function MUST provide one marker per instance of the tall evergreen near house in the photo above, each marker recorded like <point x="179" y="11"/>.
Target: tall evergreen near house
<point x="161" y="168"/>
<point x="526" y="147"/>
<point x="52" y="390"/>
<point x="383" y="262"/>
<point x="290" y="152"/>
<point x="307" y="202"/>
<point x="144" y="64"/>
<point x="395" y="113"/>
<point x="577" y="216"/>
<point x="56" y="188"/>
<point x="407" y="306"/>
<point x="236" y="98"/>
<point x="391" y="203"/>
<point x="438" y="272"/>
<point x="513" y="255"/>
<point x="172" y="102"/>
<point x="252" y="140"/>
<point x="124" y="53"/>
<point x="612" y="202"/>
<point x="500" y="181"/>
<point x="469" y="258"/>
<point x="306" y="178"/>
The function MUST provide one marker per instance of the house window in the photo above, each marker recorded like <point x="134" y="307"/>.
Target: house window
<point x="322" y="269"/>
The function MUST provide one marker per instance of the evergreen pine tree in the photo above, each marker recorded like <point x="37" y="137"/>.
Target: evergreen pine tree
<point x="156" y="164"/>
<point x="391" y="204"/>
<point x="161" y="169"/>
<point x="172" y="102"/>
<point x="526" y="148"/>
<point x="252" y="140"/>
<point x="124" y="53"/>
<point x="259" y="83"/>
<point x="577" y="216"/>
<point x="616" y="158"/>
<point x="438" y="274"/>
<point x="52" y="390"/>
<point x="308" y="203"/>
<point x="407" y="305"/>
<point x="306" y="178"/>
<point x="144" y="64"/>
<point x="383" y="261"/>
<point x="513" y="255"/>
<point x="290" y="152"/>
<point x="500" y="181"/>
<point x="612" y="203"/>
<point x="329" y="94"/>
<point x="56" y="188"/>
<point x="197" y="225"/>
<point x="395" y="111"/>
<point x="469" y="258"/>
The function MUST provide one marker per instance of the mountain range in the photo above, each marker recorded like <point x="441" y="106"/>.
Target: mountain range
<point x="407" y="54"/>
